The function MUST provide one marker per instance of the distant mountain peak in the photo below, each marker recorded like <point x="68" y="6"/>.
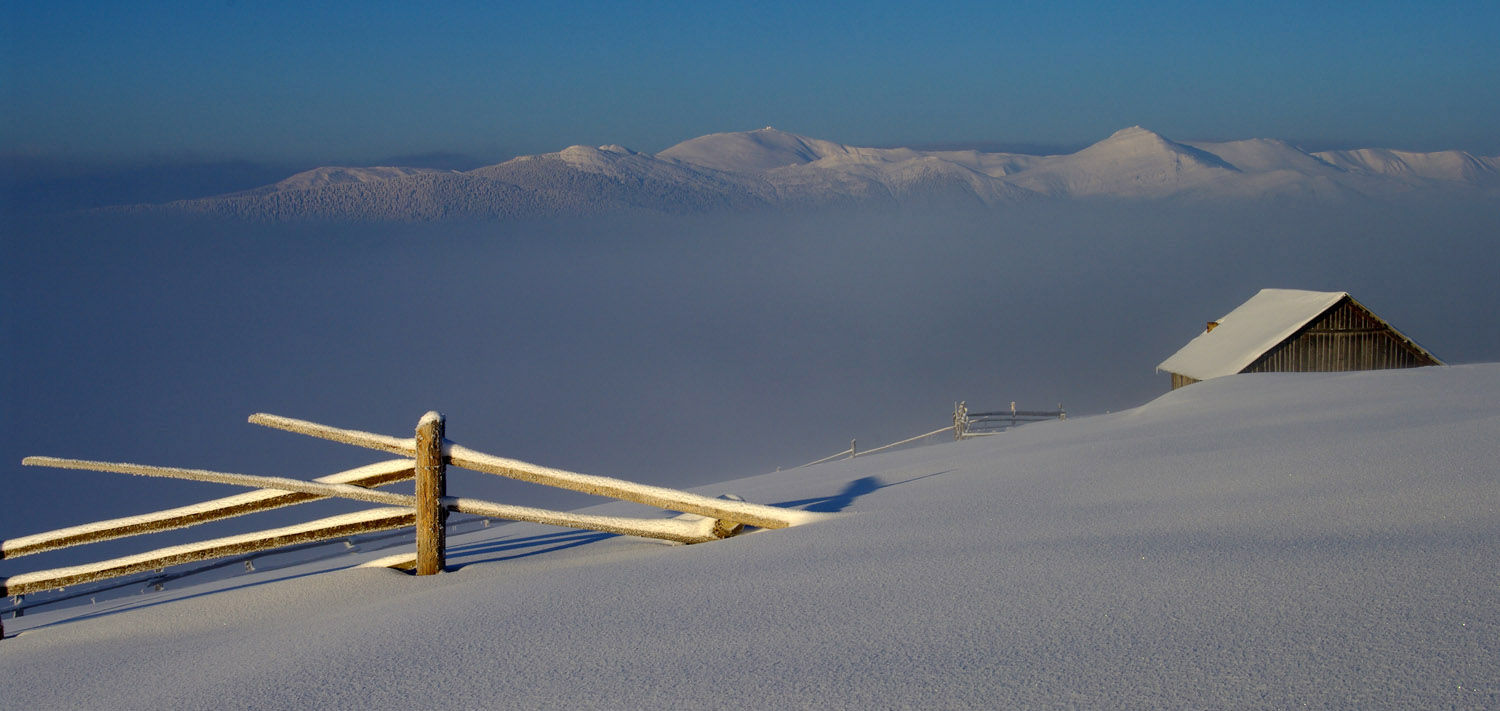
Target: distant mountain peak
<point x="1139" y="138"/>
<point x="1131" y="132"/>
<point x="750" y="151"/>
<point x="1136" y="143"/>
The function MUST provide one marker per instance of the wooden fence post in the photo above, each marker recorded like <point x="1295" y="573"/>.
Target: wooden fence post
<point x="432" y="517"/>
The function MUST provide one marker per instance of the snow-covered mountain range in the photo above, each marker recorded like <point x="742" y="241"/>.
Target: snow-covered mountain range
<point x="768" y="168"/>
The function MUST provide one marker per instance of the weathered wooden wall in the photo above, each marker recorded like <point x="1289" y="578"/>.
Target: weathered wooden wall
<point x="1179" y="380"/>
<point x="1346" y="338"/>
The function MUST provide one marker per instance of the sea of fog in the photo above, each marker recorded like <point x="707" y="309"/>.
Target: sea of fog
<point x="671" y="350"/>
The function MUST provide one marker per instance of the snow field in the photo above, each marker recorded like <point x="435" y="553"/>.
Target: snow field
<point x="1255" y="541"/>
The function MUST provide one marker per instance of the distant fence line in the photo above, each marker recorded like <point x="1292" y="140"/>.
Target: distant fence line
<point x="965" y="425"/>
<point x="978" y="424"/>
<point x="425" y="458"/>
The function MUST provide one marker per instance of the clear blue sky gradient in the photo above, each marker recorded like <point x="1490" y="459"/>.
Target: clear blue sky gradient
<point x="358" y="81"/>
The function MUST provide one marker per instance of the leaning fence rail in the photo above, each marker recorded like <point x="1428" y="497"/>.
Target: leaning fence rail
<point x="758" y="515"/>
<point x="185" y="516"/>
<point x="430" y="454"/>
<point x="320" y="530"/>
<point x="157" y="577"/>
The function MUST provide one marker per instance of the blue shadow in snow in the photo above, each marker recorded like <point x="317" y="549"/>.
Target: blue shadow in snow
<point x="545" y="543"/>
<point x="851" y="491"/>
<point x="127" y="604"/>
<point x="532" y="545"/>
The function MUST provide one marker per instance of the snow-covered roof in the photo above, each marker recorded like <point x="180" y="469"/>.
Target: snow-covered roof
<point x="1247" y="332"/>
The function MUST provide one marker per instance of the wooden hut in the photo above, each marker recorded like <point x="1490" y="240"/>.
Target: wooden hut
<point x="1294" y="331"/>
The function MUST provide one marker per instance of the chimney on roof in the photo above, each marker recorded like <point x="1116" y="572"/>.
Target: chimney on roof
<point x="1211" y="326"/>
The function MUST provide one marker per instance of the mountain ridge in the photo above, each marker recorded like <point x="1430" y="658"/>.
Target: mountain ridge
<point x="768" y="169"/>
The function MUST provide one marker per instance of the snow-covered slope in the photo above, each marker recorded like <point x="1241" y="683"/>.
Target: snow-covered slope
<point x="752" y="151"/>
<point x="339" y="175"/>
<point x="1255" y="541"/>
<point x="625" y="177"/>
<point x="771" y="168"/>
<point x="1258" y="155"/>
<point x="1453" y="166"/>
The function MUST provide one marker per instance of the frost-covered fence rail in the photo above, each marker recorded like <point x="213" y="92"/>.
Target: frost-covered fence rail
<point x="758" y="515"/>
<point x="429" y="455"/>
<point x="979" y="424"/>
<point x="853" y="450"/>
<point x="182" y="517"/>
<point x="965" y="424"/>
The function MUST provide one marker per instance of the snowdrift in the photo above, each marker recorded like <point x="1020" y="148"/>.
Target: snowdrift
<point x="1266" y="541"/>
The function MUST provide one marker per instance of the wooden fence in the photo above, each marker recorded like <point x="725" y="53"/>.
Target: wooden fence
<point x="425" y="458"/>
<point x="978" y="424"/>
<point x="854" y="451"/>
<point x="965" y="424"/>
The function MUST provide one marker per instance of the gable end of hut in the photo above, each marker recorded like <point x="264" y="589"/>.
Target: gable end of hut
<point x="1346" y="337"/>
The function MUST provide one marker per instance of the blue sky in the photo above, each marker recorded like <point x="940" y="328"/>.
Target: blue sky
<point x="352" y="82"/>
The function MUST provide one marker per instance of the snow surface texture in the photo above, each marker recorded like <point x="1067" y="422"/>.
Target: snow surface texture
<point x="768" y="168"/>
<point x="1255" y="541"/>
